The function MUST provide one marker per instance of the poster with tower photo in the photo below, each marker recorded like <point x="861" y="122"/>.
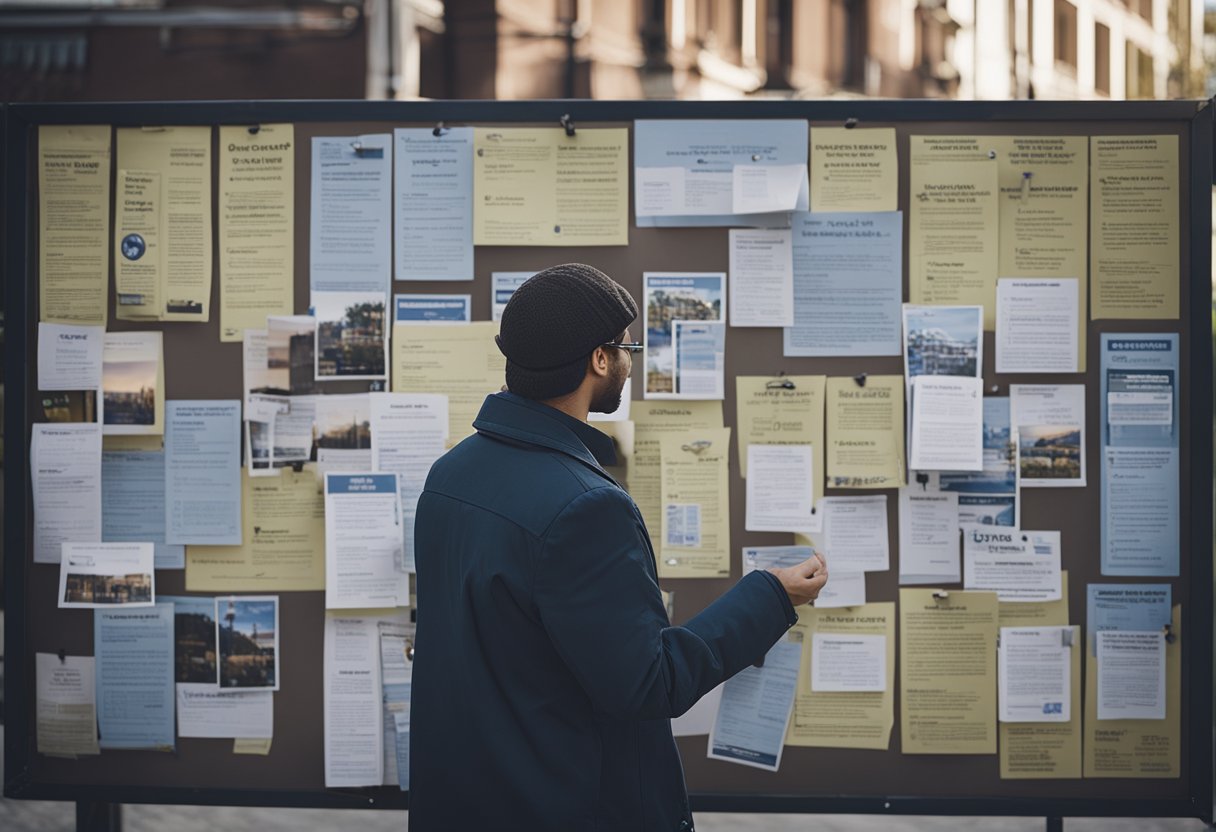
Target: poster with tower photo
<point x="676" y="297"/>
<point x="247" y="642"/>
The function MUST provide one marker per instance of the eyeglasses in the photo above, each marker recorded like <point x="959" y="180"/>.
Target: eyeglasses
<point x="629" y="346"/>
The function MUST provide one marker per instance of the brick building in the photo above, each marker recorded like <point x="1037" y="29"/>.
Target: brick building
<point x="514" y="49"/>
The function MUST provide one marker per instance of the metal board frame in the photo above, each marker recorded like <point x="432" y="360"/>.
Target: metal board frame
<point x="1196" y="117"/>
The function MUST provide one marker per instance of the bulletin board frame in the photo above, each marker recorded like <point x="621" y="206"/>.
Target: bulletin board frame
<point x="1192" y="120"/>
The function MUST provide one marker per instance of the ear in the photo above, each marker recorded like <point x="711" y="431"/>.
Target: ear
<point x="599" y="363"/>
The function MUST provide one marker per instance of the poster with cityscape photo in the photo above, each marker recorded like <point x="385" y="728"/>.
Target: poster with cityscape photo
<point x="193" y="638"/>
<point x="351" y="335"/>
<point x="290" y="350"/>
<point x="675" y="296"/>
<point x="98" y="575"/>
<point x="247" y="642"/>
<point x="132" y="384"/>
<point x="943" y="341"/>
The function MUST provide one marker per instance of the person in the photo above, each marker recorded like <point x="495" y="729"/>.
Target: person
<point x="546" y="671"/>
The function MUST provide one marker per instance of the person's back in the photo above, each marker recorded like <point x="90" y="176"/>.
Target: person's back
<point x="521" y="744"/>
<point x="545" y="670"/>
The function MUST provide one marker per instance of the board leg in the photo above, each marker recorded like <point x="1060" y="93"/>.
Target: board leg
<point x="1055" y="825"/>
<point x="98" y="817"/>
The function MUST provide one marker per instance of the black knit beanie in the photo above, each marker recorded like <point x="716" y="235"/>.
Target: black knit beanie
<point x="554" y="321"/>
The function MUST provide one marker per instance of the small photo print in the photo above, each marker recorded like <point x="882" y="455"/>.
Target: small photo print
<point x="247" y="638"/>
<point x="683" y="525"/>
<point x="670" y="297"/>
<point x="943" y="340"/>
<point x="290" y="355"/>
<point x="350" y="335"/>
<point x="93" y="575"/>
<point x="130" y="384"/>
<point x="259" y="442"/>
<point x="1049" y="452"/>
<point x="344" y="422"/>
<point x="66" y="406"/>
<point x="194" y="638"/>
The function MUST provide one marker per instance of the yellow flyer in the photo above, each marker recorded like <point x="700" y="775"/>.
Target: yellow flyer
<point x="1136" y="748"/>
<point x="782" y="411"/>
<point x="947" y="673"/>
<point x="865" y="432"/>
<point x="854" y="169"/>
<point x="257" y="224"/>
<point x="1133" y="191"/>
<point x="535" y="186"/>
<point x="73" y="223"/>
<point x="833" y="719"/>
<point x="1046" y="750"/>
<point x="695" y="529"/>
<point x="652" y="420"/>
<point x="1044" y="212"/>
<point x="284" y="540"/>
<point x="460" y="361"/>
<point x="171" y="166"/>
<point x="953" y="222"/>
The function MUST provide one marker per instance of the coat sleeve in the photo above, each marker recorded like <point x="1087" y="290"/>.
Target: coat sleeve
<point x="599" y="602"/>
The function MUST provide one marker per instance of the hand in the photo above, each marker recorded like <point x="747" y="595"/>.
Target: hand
<point x="803" y="581"/>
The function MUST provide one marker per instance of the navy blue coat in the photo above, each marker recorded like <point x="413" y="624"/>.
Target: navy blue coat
<point x="545" y="668"/>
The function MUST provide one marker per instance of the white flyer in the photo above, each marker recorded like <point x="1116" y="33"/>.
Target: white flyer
<point x="354" y="707"/>
<point x="1034" y="667"/>
<point x="1049" y="429"/>
<point x="65" y="472"/>
<point x="205" y="710"/>
<point x="780" y="492"/>
<point x="66" y="704"/>
<point x="69" y="357"/>
<point x="106" y="575"/>
<point x="755" y="710"/>
<point x="1037" y="325"/>
<point x="928" y="536"/>
<point x="1019" y="566"/>
<point x="350" y="237"/>
<point x="848" y="663"/>
<point x="363" y="542"/>
<point x="855" y="533"/>
<point x="1131" y="674"/>
<point x="409" y="432"/>
<point x="843" y="589"/>
<point x="761" y="277"/>
<point x="947" y="424"/>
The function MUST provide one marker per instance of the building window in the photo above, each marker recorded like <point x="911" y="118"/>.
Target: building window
<point x="1139" y="73"/>
<point x="1066" y="34"/>
<point x="730" y="31"/>
<point x="1030" y="4"/>
<point x="678" y="25"/>
<point x="748" y="41"/>
<point x="1102" y="58"/>
<point x="779" y="44"/>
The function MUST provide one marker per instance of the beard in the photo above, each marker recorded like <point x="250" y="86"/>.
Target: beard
<point x="608" y="398"/>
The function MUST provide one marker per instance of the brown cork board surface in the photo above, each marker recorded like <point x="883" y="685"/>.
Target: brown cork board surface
<point x="198" y="366"/>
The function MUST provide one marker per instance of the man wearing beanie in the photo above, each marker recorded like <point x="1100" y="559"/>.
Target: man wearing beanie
<point x="546" y="671"/>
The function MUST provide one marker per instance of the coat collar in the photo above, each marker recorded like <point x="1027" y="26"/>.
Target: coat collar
<point x="508" y="416"/>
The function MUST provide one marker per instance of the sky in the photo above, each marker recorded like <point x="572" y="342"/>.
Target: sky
<point x="128" y="376"/>
<point x="249" y="612"/>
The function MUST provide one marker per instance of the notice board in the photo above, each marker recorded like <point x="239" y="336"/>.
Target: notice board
<point x="199" y="366"/>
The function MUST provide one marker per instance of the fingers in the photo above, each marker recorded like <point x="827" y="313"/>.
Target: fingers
<point x="812" y="566"/>
<point x="813" y="585"/>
